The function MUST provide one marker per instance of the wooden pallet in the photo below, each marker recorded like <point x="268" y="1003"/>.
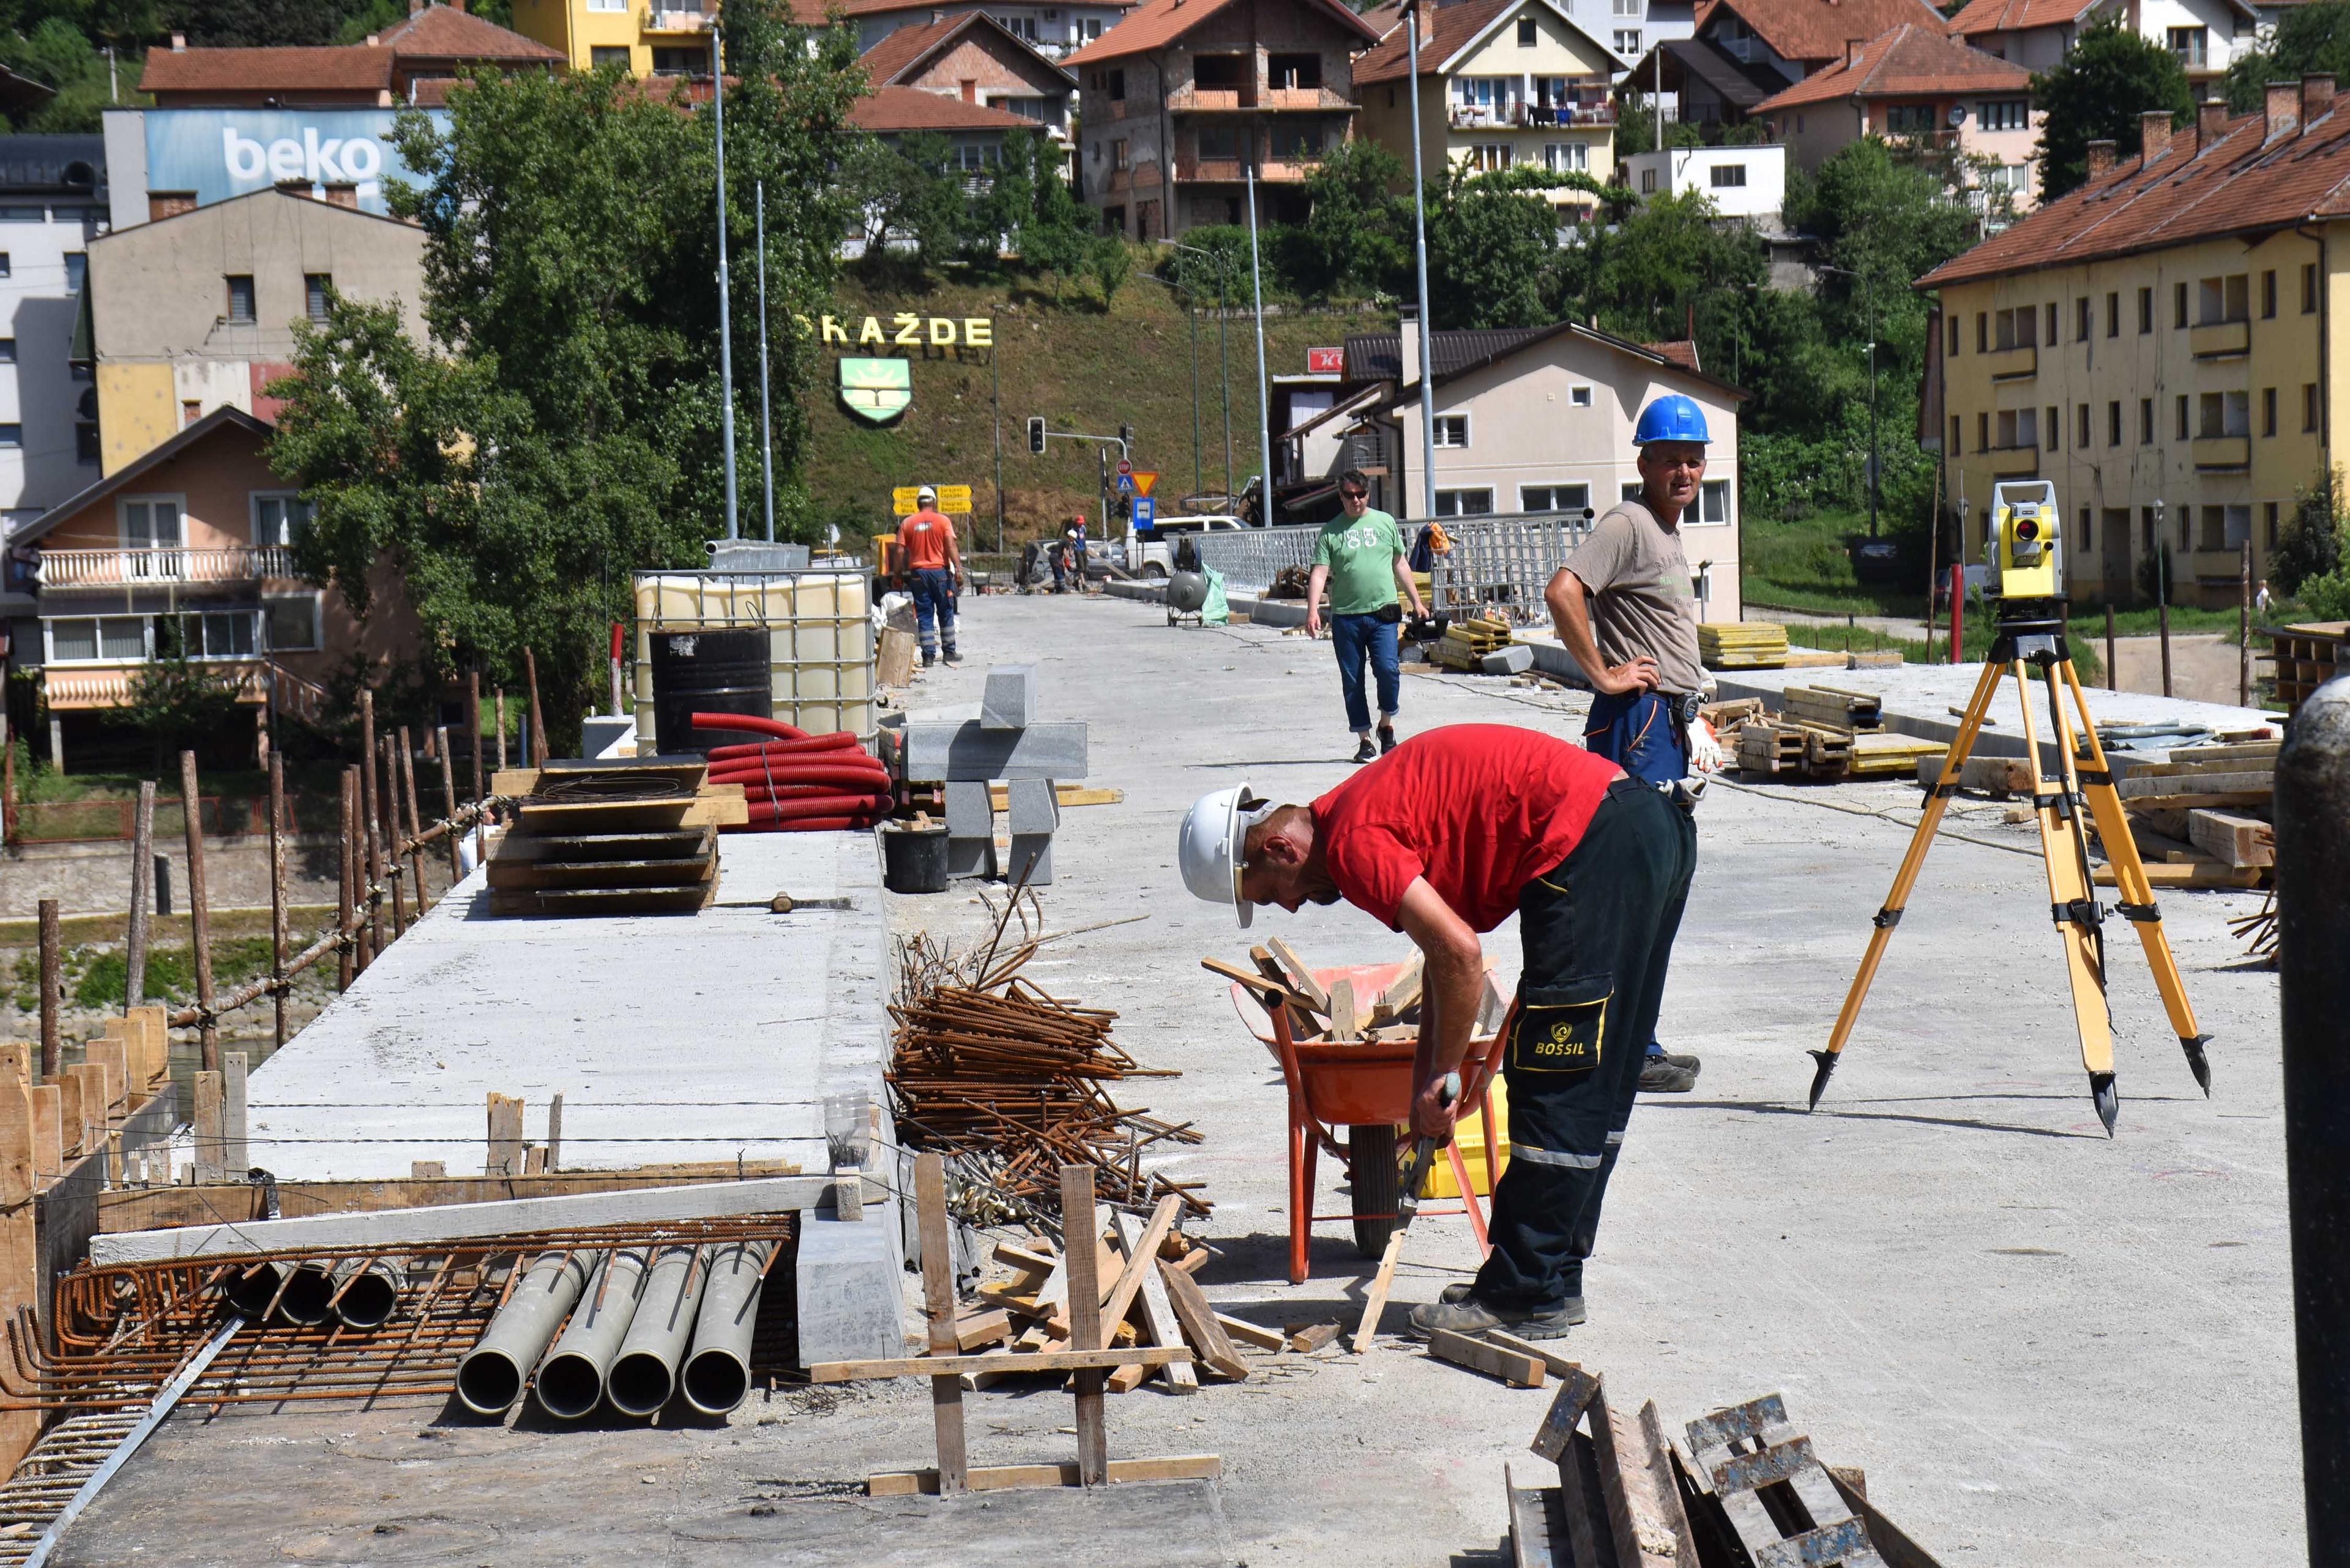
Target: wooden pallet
<point x="648" y="847"/>
<point x="1742" y="645"/>
<point x="1832" y="707"/>
<point x="2307" y="657"/>
<point x="1773" y="1491"/>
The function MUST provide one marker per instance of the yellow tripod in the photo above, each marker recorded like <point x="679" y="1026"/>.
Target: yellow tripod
<point x="2085" y="780"/>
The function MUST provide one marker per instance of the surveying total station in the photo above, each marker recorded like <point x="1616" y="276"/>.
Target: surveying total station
<point x="2025" y="580"/>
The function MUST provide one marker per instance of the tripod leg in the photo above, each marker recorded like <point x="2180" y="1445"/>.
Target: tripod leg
<point x="2074" y="911"/>
<point x="2136" y="902"/>
<point x="1937" y="803"/>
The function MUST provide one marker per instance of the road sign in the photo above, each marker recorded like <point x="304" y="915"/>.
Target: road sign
<point x="1124" y="468"/>
<point x="1125" y="484"/>
<point x="1146" y="513"/>
<point x="1144" y="478"/>
<point x="952" y="498"/>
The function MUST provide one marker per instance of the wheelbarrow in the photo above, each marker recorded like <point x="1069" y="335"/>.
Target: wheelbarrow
<point x="1365" y="1088"/>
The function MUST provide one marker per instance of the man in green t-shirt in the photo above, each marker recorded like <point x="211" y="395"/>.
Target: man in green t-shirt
<point x="1360" y="559"/>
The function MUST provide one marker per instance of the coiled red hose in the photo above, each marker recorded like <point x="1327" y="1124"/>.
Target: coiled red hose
<point x="794" y="782"/>
<point x="839" y="740"/>
<point x="750" y="723"/>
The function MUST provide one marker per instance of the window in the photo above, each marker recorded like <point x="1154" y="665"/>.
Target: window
<point x="1579" y="397"/>
<point x="1554" y="498"/>
<point x="150" y="522"/>
<point x="77" y="271"/>
<point x="1118" y="153"/>
<point x="1488" y="156"/>
<point x="1464" y="503"/>
<point x="1983" y="345"/>
<point x="2268" y="410"/>
<point x="2113" y="422"/>
<point x="12" y="436"/>
<point x="1118" y="87"/>
<point x="1291" y="143"/>
<point x="607" y="5"/>
<point x="279" y="520"/>
<point x="602" y="54"/>
<point x="2145" y="422"/>
<point x="2268" y="294"/>
<point x="240" y="298"/>
<point x="1983" y="433"/>
<point x="2221" y="299"/>
<point x="1630" y="492"/>
<point x="86" y="639"/>
<point x="2179" y="306"/>
<point x="7" y="350"/>
<point x="2082" y="312"/>
<point x="2048" y="337"/>
<point x="85" y="441"/>
<point x="1953" y="325"/>
<point x="1726" y="174"/>
<point x="2182" y="416"/>
<point x="1647" y="181"/>
<point x="1560" y="157"/>
<point x="1452" y="430"/>
<point x="2308" y="405"/>
<point x="2016" y="328"/>
<point x="211" y="634"/>
<point x="1909" y="118"/>
<point x="2002" y="114"/>
<point x="191" y="410"/>
<point x="1957" y="444"/>
<point x="290" y="625"/>
<point x="2084" y="528"/>
<point x="2308" y="285"/>
<point x="1528" y="33"/>
<point x="2081" y="428"/>
<point x="1627" y="39"/>
<point x="1713" y="501"/>
<point x="318" y="291"/>
<point x="2215" y="527"/>
<point x="2113" y="316"/>
<point x="2145" y="311"/>
<point x="2192" y="46"/>
<point x="2019" y="428"/>
<point x="2269" y="522"/>
<point x="1220" y="141"/>
<point x="681" y="62"/>
<point x="2187" y="527"/>
<point x="4" y="263"/>
<point x="1299" y="71"/>
<point x="2053" y="426"/>
<point x="2225" y="414"/>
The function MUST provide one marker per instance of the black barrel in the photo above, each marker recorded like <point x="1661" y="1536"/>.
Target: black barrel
<point x="694" y="673"/>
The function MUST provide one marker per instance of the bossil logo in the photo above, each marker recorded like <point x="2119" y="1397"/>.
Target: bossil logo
<point x="329" y="161"/>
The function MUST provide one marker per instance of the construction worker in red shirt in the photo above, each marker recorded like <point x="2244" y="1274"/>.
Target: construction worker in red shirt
<point x="935" y="566"/>
<point x="1444" y="838"/>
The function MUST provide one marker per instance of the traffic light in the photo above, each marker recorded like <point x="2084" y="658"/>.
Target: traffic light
<point x="1126" y="438"/>
<point x="1036" y="437"/>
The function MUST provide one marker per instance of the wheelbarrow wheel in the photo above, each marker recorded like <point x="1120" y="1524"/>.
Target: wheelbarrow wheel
<point x="1377" y="1182"/>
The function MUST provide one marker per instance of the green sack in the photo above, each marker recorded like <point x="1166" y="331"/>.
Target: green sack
<point x="1217" y="611"/>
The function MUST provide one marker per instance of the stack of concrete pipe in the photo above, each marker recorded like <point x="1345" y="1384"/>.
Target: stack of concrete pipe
<point x="637" y="1326"/>
<point x="363" y="1292"/>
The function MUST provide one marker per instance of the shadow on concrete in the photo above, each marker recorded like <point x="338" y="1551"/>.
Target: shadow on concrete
<point x="1970" y="1122"/>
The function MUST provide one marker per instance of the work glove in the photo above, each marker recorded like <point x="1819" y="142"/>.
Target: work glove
<point x="1705" y="753"/>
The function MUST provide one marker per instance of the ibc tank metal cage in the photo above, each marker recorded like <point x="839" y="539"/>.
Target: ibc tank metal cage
<point x="820" y="639"/>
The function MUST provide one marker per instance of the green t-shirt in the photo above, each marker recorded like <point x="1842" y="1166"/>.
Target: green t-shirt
<point x="1361" y="555"/>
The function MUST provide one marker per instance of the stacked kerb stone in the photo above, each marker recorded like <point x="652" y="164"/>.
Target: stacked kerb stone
<point x="1004" y="743"/>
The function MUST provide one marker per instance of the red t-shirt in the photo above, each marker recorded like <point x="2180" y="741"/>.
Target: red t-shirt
<point x="925" y="536"/>
<point x="1480" y="810"/>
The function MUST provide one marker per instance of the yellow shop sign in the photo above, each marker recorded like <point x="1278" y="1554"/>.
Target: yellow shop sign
<point x="900" y="329"/>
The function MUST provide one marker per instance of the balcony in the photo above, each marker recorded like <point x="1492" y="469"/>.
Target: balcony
<point x="80" y="688"/>
<point x="2220" y="339"/>
<point x="2222" y="453"/>
<point x="1270" y="171"/>
<point x="1277" y="169"/>
<point x="1324" y="100"/>
<point x="1211" y="100"/>
<point x="2019" y="364"/>
<point x="671" y="21"/>
<point x="2013" y="462"/>
<point x="1506" y="116"/>
<point x="142" y="568"/>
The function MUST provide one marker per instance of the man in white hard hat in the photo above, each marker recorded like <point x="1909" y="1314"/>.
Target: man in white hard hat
<point x="1444" y="838"/>
<point x="934" y="568"/>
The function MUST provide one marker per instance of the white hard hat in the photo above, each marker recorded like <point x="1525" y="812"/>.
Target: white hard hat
<point x="1210" y="846"/>
<point x="926" y="493"/>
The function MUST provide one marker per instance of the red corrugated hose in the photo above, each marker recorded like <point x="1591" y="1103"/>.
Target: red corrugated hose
<point x="799" y="782"/>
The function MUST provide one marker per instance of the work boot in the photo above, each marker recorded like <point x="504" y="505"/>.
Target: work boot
<point x="1366" y="751"/>
<point x="929" y="659"/>
<point x="953" y="656"/>
<point x="1473" y="1316"/>
<point x="1691" y="1063"/>
<point x="1455" y="1293"/>
<point x="1386" y="739"/>
<point x="1659" y="1076"/>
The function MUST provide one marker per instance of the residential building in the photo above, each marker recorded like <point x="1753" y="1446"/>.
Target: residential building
<point x="52" y="206"/>
<point x="187" y="550"/>
<point x="974" y="58"/>
<point x="1748" y="183"/>
<point x="1503" y="84"/>
<point x="644" y="37"/>
<point x="1743" y="51"/>
<point x="1533" y="419"/>
<point x="2166" y="343"/>
<point x="409" y="63"/>
<point x="1918" y="87"/>
<point x="1053" y="30"/>
<point x="2206" y="34"/>
<point x="194" y="313"/>
<point x="1187" y="98"/>
<point x="1629" y="28"/>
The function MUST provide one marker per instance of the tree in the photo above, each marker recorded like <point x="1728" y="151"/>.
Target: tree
<point x="2310" y="545"/>
<point x="1641" y="276"/>
<point x="1491" y="245"/>
<point x="2312" y="37"/>
<point x="562" y="425"/>
<point x="178" y="703"/>
<point x="1109" y="262"/>
<point x="2098" y="92"/>
<point x="1358" y="230"/>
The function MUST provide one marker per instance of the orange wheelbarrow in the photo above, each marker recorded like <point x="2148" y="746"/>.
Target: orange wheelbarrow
<point x="1365" y="1088"/>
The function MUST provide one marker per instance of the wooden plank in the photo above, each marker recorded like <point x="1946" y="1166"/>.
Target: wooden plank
<point x="1086" y="1320"/>
<point x="1138" y="1261"/>
<point x="208" y="1126"/>
<point x="974" y="1330"/>
<point x="1375" y="1298"/>
<point x="1553" y="1362"/>
<point x="1647" y="1534"/>
<point x="1302" y="1023"/>
<point x="1083" y="1362"/>
<point x="2138" y="786"/>
<point x="1264" y="989"/>
<point x="1656" y="1453"/>
<point x="1301" y="978"/>
<point x="939" y="1318"/>
<point x="1009" y="1478"/>
<point x="1160" y="1323"/>
<point x="2200" y="875"/>
<point x="1313" y="1337"/>
<point x="48" y="1140"/>
<point x="1517" y="1371"/>
<point x="2241" y="752"/>
<point x="1402" y="993"/>
<point x="1254" y="1334"/>
<point x="1067" y="794"/>
<point x="1576" y="1389"/>
<point x="2180" y="803"/>
<point x="505" y="1135"/>
<point x="1344" y="1022"/>
<point x="1200" y="1324"/>
<point x="2232" y="840"/>
<point x="1026" y="1259"/>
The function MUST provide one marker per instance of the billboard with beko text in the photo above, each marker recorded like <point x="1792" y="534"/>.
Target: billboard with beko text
<point x="216" y="154"/>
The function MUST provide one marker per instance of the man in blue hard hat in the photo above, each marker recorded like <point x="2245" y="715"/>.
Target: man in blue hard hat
<point x="1626" y="612"/>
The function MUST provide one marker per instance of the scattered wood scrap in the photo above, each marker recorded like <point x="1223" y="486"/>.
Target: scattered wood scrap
<point x="1513" y="1367"/>
<point x="1336" y="1014"/>
<point x="1742" y="645"/>
<point x="1466" y="642"/>
<point x="2202" y="817"/>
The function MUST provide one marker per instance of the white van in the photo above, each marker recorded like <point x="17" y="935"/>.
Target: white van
<point x="1151" y="553"/>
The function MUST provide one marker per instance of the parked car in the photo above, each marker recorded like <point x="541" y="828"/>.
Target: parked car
<point x="1151" y="552"/>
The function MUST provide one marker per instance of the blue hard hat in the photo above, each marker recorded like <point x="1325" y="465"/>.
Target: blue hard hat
<point x="1671" y="417"/>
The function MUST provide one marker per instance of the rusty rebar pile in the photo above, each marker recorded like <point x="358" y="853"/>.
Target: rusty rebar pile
<point x="1009" y="1081"/>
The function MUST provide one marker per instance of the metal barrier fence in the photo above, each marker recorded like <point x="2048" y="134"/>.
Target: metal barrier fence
<point x="1501" y="563"/>
<point x="1250" y="558"/>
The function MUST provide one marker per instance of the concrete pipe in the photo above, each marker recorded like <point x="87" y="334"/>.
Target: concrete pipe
<point x="571" y="1379"/>
<point x="366" y="1290"/>
<point x="645" y="1372"/>
<point x="718" y="1374"/>
<point x="251" y="1290"/>
<point x="303" y="1301"/>
<point x="489" y="1379"/>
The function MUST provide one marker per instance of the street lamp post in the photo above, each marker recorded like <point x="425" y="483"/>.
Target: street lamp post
<point x="725" y="315"/>
<point x="1223" y="360"/>
<point x="1420" y="254"/>
<point x="1263" y="390"/>
<point x="1869" y="304"/>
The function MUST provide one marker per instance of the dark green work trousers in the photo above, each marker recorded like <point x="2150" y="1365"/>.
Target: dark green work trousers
<point x="1598" y="932"/>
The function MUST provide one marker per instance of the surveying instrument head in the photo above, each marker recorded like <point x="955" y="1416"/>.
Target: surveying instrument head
<point x="2020" y="547"/>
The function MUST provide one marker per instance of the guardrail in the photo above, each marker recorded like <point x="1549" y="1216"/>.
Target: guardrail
<point x="132" y="568"/>
<point x="1250" y="558"/>
<point x="1500" y="561"/>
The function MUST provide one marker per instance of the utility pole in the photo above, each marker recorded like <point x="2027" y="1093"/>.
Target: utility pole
<point x="1191" y="310"/>
<point x="1263" y="408"/>
<point x="1869" y="304"/>
<point x="995" y="396"/>
<point x="767" y="421"/>
<point x="1420" y="251"/>
<point x="725" y="317"/>
<point x="1224" y="362"/>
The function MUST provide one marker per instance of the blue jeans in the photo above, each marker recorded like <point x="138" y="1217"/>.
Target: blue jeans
<point x="1640" y="734"/>
<point x="1351" y="637"/>
<point x="934" y="611"/>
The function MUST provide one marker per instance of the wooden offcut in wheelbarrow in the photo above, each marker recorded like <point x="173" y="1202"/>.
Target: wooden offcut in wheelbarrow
<point x="1364" y="1086"/>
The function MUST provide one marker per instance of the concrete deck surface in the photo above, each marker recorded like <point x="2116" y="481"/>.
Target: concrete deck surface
<point x="670" y="1038"/>
<point x="2043" y="1347"/>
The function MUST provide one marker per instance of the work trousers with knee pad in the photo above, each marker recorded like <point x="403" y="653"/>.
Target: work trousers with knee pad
<point x="1598" y="933"/>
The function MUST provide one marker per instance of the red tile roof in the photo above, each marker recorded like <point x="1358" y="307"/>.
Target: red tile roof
<point x="1449" y="29"/>
<point x="446" y="33"/>
<point x="1682" y="352"/>
<point x="1158" y="23"/>
<point x="905" y="50"/>
<point x="356" y="69"/>
<point x="2013" y="15"/>
<point x="1908" y="62"/>
<point x="903" y="109"/>
<point x="2234" y="185"/>
<point x="1818" y="30"/>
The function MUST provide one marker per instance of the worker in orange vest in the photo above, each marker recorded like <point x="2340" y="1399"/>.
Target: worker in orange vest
<point x="935" y="568"/>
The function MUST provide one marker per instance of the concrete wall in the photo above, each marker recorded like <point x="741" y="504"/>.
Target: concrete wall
<point x="1679" y="171"/>
<point x="95" y="879"/>
<point x="39" y="391"/>
<point x="2120" y="483"/>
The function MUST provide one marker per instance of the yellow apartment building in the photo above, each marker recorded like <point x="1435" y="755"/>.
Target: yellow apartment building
<point x="1503" y="84"/>
<point x="2163" y="343"/>
<point x="651" y="37"/>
